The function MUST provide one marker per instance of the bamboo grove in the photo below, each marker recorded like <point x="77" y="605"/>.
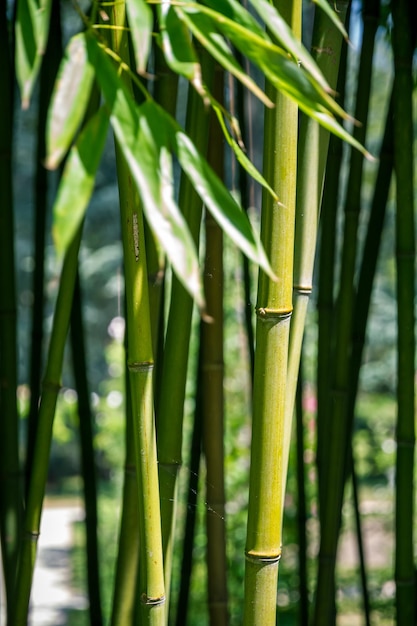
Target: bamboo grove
<point x="174" y="83"/>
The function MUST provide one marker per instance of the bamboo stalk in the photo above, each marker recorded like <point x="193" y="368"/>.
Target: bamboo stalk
<point x="274" y="307"/>
<point x="87" y="456"/>
<point x="403" y="48"/>
<point x="301" y="504"/>
<point x="171" y="393"/>
<point x="51" y="387"/>
<point x="338" y="433"/>
<point x="213" y="397"/>
<point x="140" y="366"/>
<point x="47" y="77"/>
<point x="193" y="485"/>
<point x="10" y="493"/>
<point x="312" y="155"/>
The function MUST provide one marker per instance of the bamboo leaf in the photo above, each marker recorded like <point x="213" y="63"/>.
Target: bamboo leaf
<point x="32" y="27"/>
<point x="69" y="100"/>
<point x="225" y="210"/>
<point x="204" y="29"/>
<point x="144" y="142"/>
<point x="240" y="155"/>
<point x="332" y="15"/>
<point x="176" y="44"/>
<point x="77" y="181"/>
<point x="140" y="23"/>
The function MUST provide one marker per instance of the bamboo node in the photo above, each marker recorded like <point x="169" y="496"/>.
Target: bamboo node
<point x="303" y="290"/>
<point x="32" y="535"/>
<point x="152" y="601"/>
<point x="49" y="385"/>
<point x="139" y="366"/>
<point x="264" y="313"/>
<point x="262" y="558"/>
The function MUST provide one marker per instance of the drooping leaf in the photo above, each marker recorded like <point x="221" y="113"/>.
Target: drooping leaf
<point x="143" y="141"/>
<point x="69" y="100"/>
<point x="32" y="27"/>
<point x="77" y="181"/>
<point x="204" y="29"/>
<point x="140" y="22"/>
<point x="244" y="161"/>
<point x="332" y="15"/>
<point x="177" y="47"/>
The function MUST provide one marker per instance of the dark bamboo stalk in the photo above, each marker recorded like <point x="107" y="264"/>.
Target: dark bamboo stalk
<point x="88" y="465"/>
<point x="48" y="74"/>
<point x="213" y="397"/>
<point x="404" y="18"/>
<point x="10" y="492"/>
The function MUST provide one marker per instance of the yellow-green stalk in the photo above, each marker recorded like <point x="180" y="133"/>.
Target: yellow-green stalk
<point x="312" y="155"/>
<point x="274" y="308"/>
<point x="140" y="367"/>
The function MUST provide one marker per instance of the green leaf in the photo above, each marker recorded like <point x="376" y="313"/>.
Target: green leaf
<point x="69" y="100"/>
<point x="32" y="27"/>
<point x="140" y="23"/>
<point x="177" y="47"/>
<point x="77" y="181"/>
<point x="332" y="15"/>
<point x="144" y="143"/>
<point x="204" y="29"/>
<point x="241" y="156"/>
<point x="219" y="201"/>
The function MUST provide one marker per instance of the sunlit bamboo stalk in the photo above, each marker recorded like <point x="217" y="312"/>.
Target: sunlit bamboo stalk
<point x="171" y="393"/>
<point x="140" y="366"/>
<point x="274" y="307"/>
<point x="312" y="155"/>
<point x="10" y="493"/>
<point x="404" y="33"/>
<point x="339" y="434"/>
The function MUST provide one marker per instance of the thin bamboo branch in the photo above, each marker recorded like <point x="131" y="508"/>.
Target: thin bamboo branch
<point x="403" y="48"/>
<point x="301" y="504"/>
<point x="274" y="307"/>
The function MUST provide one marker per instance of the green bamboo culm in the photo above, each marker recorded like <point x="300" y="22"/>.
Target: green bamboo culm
<point x="404" y="19"/>
<point x="176" y="349"/>
<point x="213" y="397"/>
<point x="48" y="72"/>
<point x="312" y="156"/>
<point x="338" y="433"/>
<point x="301" y="503"/>
<point x="10" y="493"/>
<point x="140" y="366"/>
<point x="88" y="465"/>
<point x="274" y="307"/>
<point x="50" y="389"/>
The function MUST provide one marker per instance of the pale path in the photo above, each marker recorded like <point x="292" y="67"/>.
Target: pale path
<point x="51" y="592"/>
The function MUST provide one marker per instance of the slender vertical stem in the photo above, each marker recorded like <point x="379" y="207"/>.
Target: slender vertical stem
<point x="10" y="492"/>
<point x="140" y="366"/>
<point x="339" y="433"/>
<point x="50" y="390"/>
<point x="213" y="400"/>
<point x="176" y="349"/>
<point x="274" y="307"/>
<point x="403" y="46"/>
<point x="301" y="504"/>
<point x="48" y="73"/>
<point x="87" y="456"/>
